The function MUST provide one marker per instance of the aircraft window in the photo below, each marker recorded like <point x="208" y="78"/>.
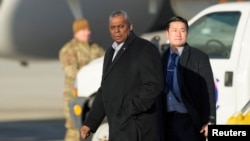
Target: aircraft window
<point x="214" y="33"/>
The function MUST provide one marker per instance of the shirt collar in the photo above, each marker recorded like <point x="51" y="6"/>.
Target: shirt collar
<point x="117" y="47"/>
<point x="179" y="51"/>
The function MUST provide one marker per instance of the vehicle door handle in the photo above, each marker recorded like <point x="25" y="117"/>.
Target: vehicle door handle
<point x="228" y="79"/>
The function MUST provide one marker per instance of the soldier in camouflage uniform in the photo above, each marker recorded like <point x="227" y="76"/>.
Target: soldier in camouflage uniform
<point x="74" y="55"/>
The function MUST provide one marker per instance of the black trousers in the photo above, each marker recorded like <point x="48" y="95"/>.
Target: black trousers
<point x="180" y="127"/>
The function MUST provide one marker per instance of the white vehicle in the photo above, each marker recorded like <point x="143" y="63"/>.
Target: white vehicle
<point x="222" y="31"/>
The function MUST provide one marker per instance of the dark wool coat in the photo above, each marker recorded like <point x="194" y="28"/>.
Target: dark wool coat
<point x="129" y="88"/>
<point x="196" y="84"/>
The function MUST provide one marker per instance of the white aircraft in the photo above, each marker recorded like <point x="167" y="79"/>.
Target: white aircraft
<point x="34" y="30"/>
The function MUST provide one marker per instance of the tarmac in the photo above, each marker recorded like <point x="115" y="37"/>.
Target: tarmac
<point x="31" y="92"/>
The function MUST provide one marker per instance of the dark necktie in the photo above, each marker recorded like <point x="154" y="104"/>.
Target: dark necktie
<point x="170" y="71"/>
<point x="170" y="75"/>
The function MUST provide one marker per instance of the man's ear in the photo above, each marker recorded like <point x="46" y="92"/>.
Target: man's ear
<point x="166" y="34"/>
<point x="131" y="27"/>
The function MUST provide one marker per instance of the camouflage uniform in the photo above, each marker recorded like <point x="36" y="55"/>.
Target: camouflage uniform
<point x="74" y="55"/>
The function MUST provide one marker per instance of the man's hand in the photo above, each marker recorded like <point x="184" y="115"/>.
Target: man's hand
<point x="85" y="131"/>
<point x="204" y="130"/>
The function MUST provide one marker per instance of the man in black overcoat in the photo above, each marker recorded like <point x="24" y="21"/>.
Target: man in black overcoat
<point x="189" y="105"/>
<point x="131" y="82"/>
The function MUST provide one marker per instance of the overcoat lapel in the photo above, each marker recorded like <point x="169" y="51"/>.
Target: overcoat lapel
<point x="119" y="54"/>
<point x="182" y="65"/>
<point x="108" y="60"/>
<point x="184" y="58"/>
<point x="123" y="49"/>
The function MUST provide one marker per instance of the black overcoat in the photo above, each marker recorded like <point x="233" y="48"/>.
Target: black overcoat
<point x="197" y="86"/>
<point x="129" y="88"/>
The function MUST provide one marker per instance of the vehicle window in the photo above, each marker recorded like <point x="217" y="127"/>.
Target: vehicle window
<point x="214" y="34"/>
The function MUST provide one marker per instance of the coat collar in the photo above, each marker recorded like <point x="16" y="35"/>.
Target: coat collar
<point x="185" y="54"/>
<point x="123" y="49"/>
<point x="183" y="58"/>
